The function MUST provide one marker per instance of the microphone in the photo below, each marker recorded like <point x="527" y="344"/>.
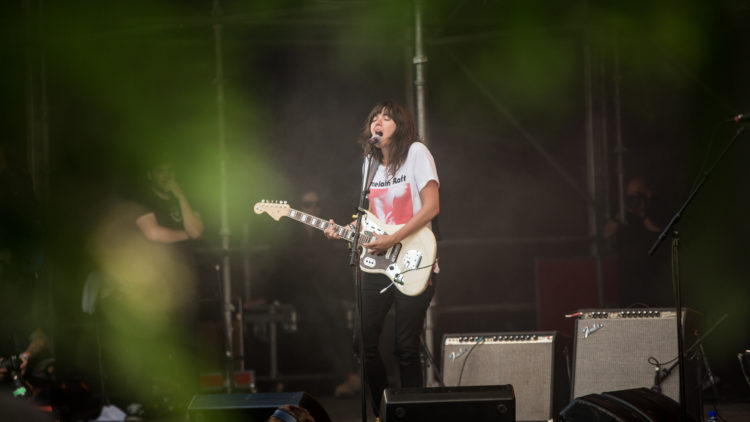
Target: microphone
<point x="739" y="118"/>
<point x="375" y="139"/>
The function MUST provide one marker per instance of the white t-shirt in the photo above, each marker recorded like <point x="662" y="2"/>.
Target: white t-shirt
<point x="395" y="200"/>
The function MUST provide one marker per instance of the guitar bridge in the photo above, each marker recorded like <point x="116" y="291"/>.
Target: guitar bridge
<point x="412" y="259"/>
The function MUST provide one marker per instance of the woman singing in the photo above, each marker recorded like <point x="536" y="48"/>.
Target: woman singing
<point x="404" y="191"/>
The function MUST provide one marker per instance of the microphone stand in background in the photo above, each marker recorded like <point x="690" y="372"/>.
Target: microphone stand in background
<point x="662" y="374"/>
<point x="676" y="264"/>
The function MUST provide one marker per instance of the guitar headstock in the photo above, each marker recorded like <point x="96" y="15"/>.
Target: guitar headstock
<point x="276" y="209"/>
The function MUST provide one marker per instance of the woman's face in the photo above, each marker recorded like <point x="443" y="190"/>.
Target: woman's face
<point x="383" y="125"/>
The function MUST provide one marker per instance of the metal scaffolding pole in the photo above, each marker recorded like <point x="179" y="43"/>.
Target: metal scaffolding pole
<point x="37" y="138"/>
<point x="226" y="279"/>
<point x="37" y="111"/>
<point x="420" y="63"/>
<point x="595" y="153"/>
<point x="420" y="60"/>
<point x="590" y="146"/>
<point x="619" y="148"/>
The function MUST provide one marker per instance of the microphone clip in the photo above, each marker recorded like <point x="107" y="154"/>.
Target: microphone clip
<point x="658" y="373"/>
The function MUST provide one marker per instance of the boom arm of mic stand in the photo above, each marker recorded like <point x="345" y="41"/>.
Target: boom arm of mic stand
<point x="695" y="190"/>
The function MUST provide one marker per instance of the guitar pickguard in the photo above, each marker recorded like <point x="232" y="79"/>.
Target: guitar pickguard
<point x="382" y="264"/>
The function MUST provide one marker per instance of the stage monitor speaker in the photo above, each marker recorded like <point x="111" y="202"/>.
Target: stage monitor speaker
<point x="534" y="363"/>
<point x="613" y="348"/>
<point x="494" y="403"/>
<point x="250" y="407"/>
<point x="634" y="405"/>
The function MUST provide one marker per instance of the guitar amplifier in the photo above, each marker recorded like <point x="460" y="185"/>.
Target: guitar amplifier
<point x="534" y="363"/>
<point x="613" y="348"/>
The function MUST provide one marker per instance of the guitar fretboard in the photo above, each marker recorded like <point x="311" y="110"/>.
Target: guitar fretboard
<point x="320" y="224"/>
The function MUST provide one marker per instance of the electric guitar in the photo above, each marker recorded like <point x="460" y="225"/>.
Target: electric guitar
<point x="407" y="264"/>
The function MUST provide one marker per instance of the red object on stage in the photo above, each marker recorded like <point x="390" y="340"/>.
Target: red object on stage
<point x="565" y="285"/>
<point x="215" y="380"/>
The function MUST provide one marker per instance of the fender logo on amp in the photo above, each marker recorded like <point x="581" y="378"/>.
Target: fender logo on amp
<point x="587" y="331"/>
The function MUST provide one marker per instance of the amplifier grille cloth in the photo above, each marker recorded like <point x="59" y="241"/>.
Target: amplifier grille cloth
<point x="615" y="357"/>
<point x="526" y="366"/>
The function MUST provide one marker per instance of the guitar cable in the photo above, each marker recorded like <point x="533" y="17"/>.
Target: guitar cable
<point x="404" y="272"/>
<point x="420" y="268"/>
<point x="480" y="340"/>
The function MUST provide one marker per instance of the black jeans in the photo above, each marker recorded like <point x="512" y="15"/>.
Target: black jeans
<point x="409" y="320"/>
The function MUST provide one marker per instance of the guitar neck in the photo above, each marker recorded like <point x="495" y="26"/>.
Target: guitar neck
<point x="320" y="224"/>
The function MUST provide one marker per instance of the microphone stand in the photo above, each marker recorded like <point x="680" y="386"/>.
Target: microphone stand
<point x="357" y="274"/>
<point x="675" y="267"/>
<point x="429" y="360"/>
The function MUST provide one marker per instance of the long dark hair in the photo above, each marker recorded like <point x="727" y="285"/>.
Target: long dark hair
<point x="403" y="137"/>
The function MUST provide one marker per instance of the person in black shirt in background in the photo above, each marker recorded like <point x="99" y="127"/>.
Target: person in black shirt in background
<point x="631" y="239"/>
<point x="169" y="218"/>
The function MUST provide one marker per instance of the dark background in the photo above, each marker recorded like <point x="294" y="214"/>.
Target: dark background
<point x="125" y="81"/>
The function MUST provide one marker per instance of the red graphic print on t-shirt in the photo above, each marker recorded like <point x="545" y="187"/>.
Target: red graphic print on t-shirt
<point x="392" y="205"/>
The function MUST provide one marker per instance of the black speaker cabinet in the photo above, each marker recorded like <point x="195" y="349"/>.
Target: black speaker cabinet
<point x="250" y="407"/>
<point x="494" y="403"/>
<point x="613" y="348"/>
<point x="634" y="405"/>
<point x="534" y="363"/>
